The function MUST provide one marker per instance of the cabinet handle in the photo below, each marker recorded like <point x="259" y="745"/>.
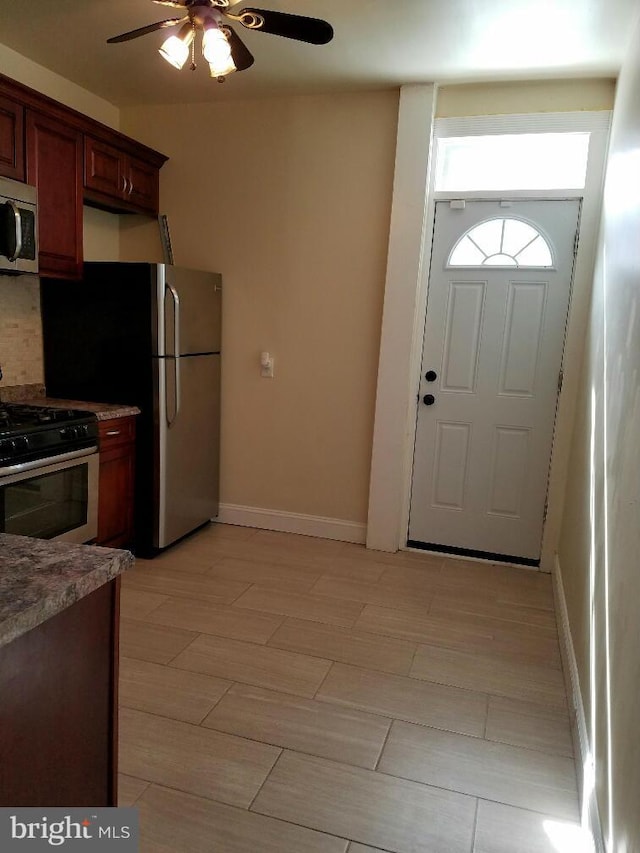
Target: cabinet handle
<point x="113" y="432"/>
<point x="124" y="184"/>
<point x="130" y="187"/>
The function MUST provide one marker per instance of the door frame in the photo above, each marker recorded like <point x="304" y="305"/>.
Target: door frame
<point x="406" y="297"/>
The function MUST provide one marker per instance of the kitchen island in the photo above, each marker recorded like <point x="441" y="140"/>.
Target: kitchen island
<point x="58" y="672"/>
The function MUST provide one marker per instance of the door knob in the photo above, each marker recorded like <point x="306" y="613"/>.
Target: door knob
<point x="428" y="399"/>
<point x="431" y="376"/>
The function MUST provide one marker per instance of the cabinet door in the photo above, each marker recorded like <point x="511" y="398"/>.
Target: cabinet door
<point x="54" y="165"/>
<point x="103" y="168"/>
<point x="143" y="185"/>
<point x="115" y="493"/>
<point x="11" y="139"/>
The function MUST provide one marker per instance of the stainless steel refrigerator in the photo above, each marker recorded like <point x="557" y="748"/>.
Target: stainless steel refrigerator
<point x="147" y="335"/>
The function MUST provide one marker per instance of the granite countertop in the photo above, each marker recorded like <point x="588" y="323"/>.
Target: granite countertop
<point x="36" y="395"/>
<point x="103" y="411"/>
<point x="39" y="579"/>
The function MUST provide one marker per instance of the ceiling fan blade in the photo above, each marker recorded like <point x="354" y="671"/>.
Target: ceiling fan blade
<point x="240" y="54"/>
<point x="298" y="27"/>
<point x="142" y="31"/>
<point x="175" y="3"/>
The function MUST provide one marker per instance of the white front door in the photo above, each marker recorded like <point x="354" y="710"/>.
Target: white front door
<point x="497" y="306"/>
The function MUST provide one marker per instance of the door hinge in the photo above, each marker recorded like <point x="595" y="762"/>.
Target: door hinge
<point x="575" y="243"/>
<point x="560" y="380"/>
<point x="546" y="509"/>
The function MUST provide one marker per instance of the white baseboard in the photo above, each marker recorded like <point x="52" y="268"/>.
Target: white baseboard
<point x="293" y="522"/>
<point x="590" y="811"/>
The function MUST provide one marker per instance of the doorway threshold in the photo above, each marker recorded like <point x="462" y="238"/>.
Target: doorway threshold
<point x="471" y="554"/>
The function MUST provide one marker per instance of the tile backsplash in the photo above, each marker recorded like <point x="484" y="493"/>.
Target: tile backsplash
<point x="20" y="330"/>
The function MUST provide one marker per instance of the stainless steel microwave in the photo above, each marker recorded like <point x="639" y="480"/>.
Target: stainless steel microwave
<point x="18" y="228"/>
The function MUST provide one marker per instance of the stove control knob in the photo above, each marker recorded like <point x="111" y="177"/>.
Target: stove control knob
<point x="68" y="433"/>
<point x="21" y="444"/>
<point x="8" y="447"/>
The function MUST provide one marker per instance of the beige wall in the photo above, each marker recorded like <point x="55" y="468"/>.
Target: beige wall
<point x="290" y="199"/>
<point x="20" y="324"/>
<point x="600" y="544"/>
<point x="38" y="77"/>
<point x="485" y="99"/>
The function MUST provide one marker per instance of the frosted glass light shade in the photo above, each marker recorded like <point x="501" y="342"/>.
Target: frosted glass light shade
<point x="176" y="49"/>
<point x="217" y="51"/>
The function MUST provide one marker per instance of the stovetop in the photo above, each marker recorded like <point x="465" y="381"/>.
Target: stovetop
<point x="17" y="417"/>
<point x="29" y="433"/>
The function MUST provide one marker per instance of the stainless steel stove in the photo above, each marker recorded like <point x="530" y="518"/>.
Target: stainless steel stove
<point x="48" y="472"/>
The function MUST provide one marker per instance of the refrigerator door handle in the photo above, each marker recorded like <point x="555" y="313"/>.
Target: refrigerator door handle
<point x="176" y="353"/>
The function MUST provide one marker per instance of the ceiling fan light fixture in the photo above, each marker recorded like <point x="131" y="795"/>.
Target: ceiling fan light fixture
<point x="217" y="50"/>
<point x="176" y="48"/>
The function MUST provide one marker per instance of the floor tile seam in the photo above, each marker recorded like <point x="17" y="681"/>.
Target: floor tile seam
<point x="475" y="826"/>
<point x="197" y="727"/>
<point x="383" y="775"/>
<point x="146" y="787"/>
<point x="271" y="769"/>
<point x="321" y="701"/>
<point x="414" y="680"/>
<point x="532" y="669"/>
<point x="216" y="703"/>
<point x="142" y="621"/>
<point x="488" y="741"/>
<point x="195" y="596"/>
<point x="200" y="796"/>
<point x="463" y="734"/>
<point x="220" y="635"/>
<point x="236" y="680"/>
<point x="375" y="637"/>
<point x="318" y="655"/>
<point x="350" y="841"/>
<point x="403" y="719"/>
<point x="554" y="754"/>
<point x="292" y="749"/>
<point x="390" y="606"/>
<point x="289" y="615"/>
<point x="476" y="796"/>
<point x="489" y="691"/>
<point x="528" y="810"/>
<point x="264" y="646"/>
<point x="550" y="631"/>
<point x="384" y="744"/>
<point x="516" y="673"/>
<point x="184" y="649"/>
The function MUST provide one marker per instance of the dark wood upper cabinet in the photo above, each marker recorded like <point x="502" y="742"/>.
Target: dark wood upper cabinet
<point x="72" y="159"/>
<point x="54" y="165"/>
<point x="114" y="179"/>
<point x="11" y="139"/>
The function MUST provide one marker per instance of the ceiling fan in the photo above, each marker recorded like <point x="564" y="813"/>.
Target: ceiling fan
<point x="222" y="47"/>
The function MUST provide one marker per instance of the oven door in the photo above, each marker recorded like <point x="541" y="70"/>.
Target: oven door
<point x="52" y="498"/>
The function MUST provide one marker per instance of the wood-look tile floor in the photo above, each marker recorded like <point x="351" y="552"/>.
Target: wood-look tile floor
<point x="285" y="694"/>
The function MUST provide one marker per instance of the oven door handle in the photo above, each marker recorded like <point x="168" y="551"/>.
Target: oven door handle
<point x="50" y="460"/>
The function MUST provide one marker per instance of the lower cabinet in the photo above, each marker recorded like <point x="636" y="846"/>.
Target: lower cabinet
<point x="58" y="714"/>
<point x="116" y="489"/>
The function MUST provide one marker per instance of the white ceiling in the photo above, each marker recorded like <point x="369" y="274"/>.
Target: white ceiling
<point x="377" y="44"/>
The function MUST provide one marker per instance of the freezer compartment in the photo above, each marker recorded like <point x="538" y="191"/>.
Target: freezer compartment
<point x="191" y="321"/>
<point x="189" y="445"/>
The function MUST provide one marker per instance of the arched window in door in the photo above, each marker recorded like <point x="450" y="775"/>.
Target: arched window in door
<point x="502" y="243"/>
